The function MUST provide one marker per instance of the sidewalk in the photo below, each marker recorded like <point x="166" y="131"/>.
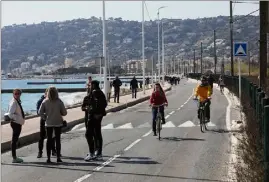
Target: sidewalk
<point x="30" y="130"/>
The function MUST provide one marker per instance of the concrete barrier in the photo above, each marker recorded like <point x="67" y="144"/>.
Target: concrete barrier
<point x="34" y="137"/>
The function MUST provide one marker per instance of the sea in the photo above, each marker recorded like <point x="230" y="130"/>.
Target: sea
<point x="29" y="100"/>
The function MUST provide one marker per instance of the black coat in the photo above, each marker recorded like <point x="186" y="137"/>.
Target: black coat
<point x="134" y="84"/>
<point x="116" y="84"/>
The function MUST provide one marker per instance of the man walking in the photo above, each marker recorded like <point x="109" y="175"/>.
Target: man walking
<point x="117" y="84"/>
<point x="134" y="87"/>
<point x="96" y="105"/>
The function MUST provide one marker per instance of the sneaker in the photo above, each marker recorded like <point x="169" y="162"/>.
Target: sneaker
<point x="90" y="157"/>
<point x="163" y="122"/>
<point x="17" y="160"/>
<point x="59" y="160"/>
<point x="49" y="161"/>
<point x="154" y="133"/>
<point x="99" y="157"/>
<point x="39" y="155"/>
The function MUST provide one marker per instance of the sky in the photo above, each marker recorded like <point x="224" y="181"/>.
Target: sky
<point x="19" y="12"/>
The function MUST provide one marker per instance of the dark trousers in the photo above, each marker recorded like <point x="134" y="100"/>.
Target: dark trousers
<point x="154" y="115"/>
<point x="57" y="131"/>
<point x="43" y="136"/>
<point x="134" y="91"/>
<point x="117" y="95"/>
<point x="207" y="109"/>
<point x="94" y="135"/>
<point x="16" y="131"/>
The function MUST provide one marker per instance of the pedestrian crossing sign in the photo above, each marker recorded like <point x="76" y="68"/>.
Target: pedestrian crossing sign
<point x="240" y="49"/>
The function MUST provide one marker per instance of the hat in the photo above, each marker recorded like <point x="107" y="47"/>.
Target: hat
<point x="95" y="83"/>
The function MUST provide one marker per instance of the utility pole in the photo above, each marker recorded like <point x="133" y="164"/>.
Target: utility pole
<point x="231" y="37"/>
<point x="249" y="63"/>
<point x="143" y="47"/>
<point x="215" y="53"/>
<point x="263" y="44"/>
<point x="193" y="60"/>
<point x="201" y="57"/>
<point x="104" y="49"/>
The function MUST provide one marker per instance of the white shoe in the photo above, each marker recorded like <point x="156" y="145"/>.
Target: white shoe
<point x="90" y="157"/>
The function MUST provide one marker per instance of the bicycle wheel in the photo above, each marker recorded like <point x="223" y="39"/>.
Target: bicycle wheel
<point x="159" y="126"/>
<point x="202" y="119"/>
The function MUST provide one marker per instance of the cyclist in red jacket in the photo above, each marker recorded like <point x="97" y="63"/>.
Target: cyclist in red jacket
<point x="157" y="99"/>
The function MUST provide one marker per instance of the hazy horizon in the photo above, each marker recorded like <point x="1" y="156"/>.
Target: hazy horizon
<point x="29" y="12"/>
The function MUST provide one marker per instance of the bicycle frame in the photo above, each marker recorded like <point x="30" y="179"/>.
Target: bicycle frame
<point x="159" y="120"/>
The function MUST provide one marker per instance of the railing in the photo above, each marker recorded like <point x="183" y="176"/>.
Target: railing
<point x="259" y="102"/>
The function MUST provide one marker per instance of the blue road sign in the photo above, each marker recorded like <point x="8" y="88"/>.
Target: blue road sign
<point x="240" y="49"/>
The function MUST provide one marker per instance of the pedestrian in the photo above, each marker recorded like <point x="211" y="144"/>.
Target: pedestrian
<point x="134" y="87"/>
<point x="95" y="105"/>
<point x="117" y="84"/>
<point x="108" y="85"/>
<point x="52" y="110"/>
<point x="88" y="85"/>
<point x="43" y="129"/>
<point x="16" y="117"/>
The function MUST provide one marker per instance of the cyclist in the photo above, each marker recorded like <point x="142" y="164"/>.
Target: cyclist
<point x="211" y="80"/>
<point x="204" y="92"/>
<point x="157" y="99"/>
<point x="221" y="83"/>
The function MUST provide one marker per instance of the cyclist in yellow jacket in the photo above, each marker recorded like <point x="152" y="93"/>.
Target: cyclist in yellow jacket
<point x="204" y="92"/>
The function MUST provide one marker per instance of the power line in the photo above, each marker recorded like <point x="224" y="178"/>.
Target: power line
<point x="246" y="15"/>
<point x="147" y="10"/>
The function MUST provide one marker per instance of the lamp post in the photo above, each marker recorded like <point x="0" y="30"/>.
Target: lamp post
<point x="143" y="46"/>
<point x="159" y="61"/>
<point x="104" y="49"/>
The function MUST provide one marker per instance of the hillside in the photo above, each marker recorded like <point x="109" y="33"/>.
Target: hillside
<point x="81" y="39"/>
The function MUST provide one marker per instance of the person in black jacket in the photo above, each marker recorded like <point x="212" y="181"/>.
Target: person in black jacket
<point x="134" y="87"/>
<point x="43" y="130"/>
<point x="95" y="104"/>
<point x="211" y="80"/>
<point x="117" y="84"/>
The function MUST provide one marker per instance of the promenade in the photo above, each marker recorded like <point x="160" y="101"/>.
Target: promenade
<point x="30" y="130"/>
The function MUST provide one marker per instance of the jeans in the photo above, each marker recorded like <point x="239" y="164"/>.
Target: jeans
<point x="94" y="135"/>
<point x="108" y="96"/>
<point x="207" y="109"/>
<point x="16" y="128"/>
<point x="57" y="131"/>
<point x="134" y="91"/>
<point x="154" y="115"/>
<point x="43" y="136"/>
<point x="116" y="95"/>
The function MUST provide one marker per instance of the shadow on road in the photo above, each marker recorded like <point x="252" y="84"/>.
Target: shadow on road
<point x="224" y="131"/>
<point x="182" y="139"/>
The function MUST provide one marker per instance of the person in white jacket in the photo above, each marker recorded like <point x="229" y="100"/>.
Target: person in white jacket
<point x="17" y="119"/>
<point x="108" y="86"/>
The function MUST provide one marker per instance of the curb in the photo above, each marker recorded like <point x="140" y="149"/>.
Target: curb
<point x="34" y="137"/>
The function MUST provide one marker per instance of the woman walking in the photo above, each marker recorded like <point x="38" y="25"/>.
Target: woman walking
<point x="17" y="119"/>
<point x="52" y="110"/>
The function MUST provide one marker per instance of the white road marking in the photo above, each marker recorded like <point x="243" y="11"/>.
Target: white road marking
<point x="171" y="112"/>
<point x="147" y="134"/>
<point x="179" y="108"/>
<point x="167" y="116"/>
<point x="126" y="126"/>
<point x="83" y="178"/>
<point x="169" y="124"/>
<point x="185" y="102"/>
<point x="187" y="124"/>
<point x="145" y="125"/>
<point x="181" y="105"/>
<point x="132" y="144"/>
<point x="109" y="126"/>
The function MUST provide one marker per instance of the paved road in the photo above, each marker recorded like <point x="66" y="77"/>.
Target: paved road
<point x="132" y="153"/>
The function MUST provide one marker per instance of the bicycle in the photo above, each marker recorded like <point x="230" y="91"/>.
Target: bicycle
<point x="201" y="108"/>
<point x="158" y="120"/>
<point x="221" y="88"/>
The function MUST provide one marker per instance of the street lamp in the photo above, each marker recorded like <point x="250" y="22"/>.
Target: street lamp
<point x="159" y="61"/>
<point x="143" y="46"/>
<point x="104" y="48"/>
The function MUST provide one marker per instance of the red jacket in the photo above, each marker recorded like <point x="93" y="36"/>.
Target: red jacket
<point x="157" y="98"/>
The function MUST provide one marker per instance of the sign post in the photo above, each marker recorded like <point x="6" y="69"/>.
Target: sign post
<point x="240" y="50"/>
